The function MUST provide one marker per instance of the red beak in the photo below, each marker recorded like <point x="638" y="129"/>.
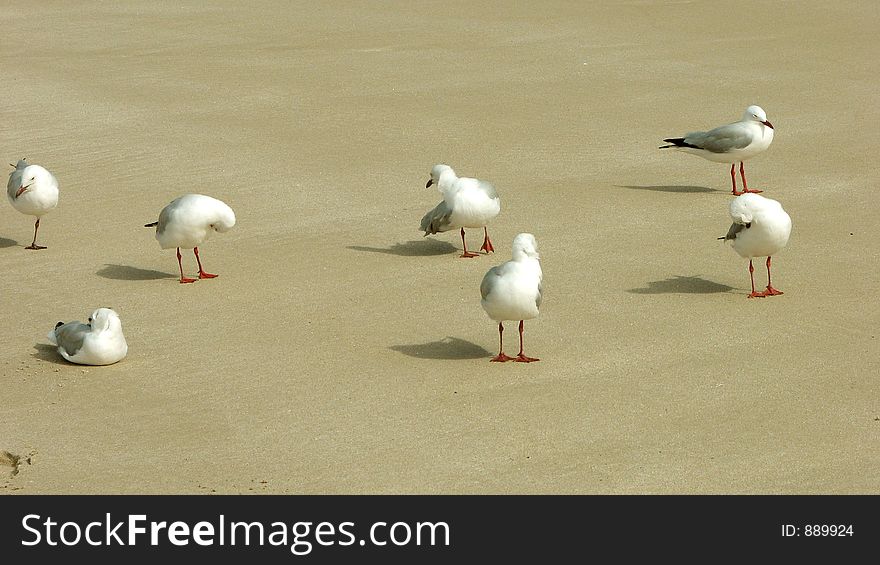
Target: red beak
<point x="768" y="124"/>
<point x="20" y="191"/>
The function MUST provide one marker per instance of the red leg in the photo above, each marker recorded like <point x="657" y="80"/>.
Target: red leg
<point x="521" y="357"/>
<point x="33" y="244"/>
<point x="487" y="243"/>
<point x="501" y="357"/>
<point x="770" y="290"/>
<point x="202" y="273"/>
<point x="752" y="276"/>
<point x="183" y="279"/>
<point x="742" y="173"/>
<point x="733" y="179"/>
<point x="466" y="254"/>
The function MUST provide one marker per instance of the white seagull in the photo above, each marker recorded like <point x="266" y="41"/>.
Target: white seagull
<point x="32" y="190"/>
<point x="100" y="342"/>
<point x="187" y="221"/>
<point x="732" y="143"/>
<point x="512" y="291"/>
<point x="467" y="203"/>
<point x="760" y="228"/>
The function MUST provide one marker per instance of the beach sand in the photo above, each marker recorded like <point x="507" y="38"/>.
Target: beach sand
<point x="339" y="351"/>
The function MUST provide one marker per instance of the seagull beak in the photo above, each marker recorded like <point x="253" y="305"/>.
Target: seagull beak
<point x="430" y="182"/>
<point x="768" y="124"/>
<point x="21" y="190"/>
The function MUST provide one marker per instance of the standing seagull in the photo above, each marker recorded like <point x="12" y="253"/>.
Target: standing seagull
<point x="32" y="190"/>
<point x="100" y="342"/>
<point x="467" y="203"/>
<point x="731" y="143"/>
<point x="760" y="228"/>
<point x="512" y="291"/>
<point x="187" y="221"/>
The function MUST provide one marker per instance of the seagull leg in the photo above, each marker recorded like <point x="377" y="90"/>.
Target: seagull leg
<point x="466" y="254"/>
<point x="733" y="179"/>
<point x="202" y="273"/>
<point x="770" y="290"/>
<point x="521" y="357"/>
<point x="33" y="244"/>
<point x="742" y="173"/>
<point x="183" y="279"/>
<point x="487" y="243"/>
<point x="501" y="357"/>
<point x="752" y="276"/>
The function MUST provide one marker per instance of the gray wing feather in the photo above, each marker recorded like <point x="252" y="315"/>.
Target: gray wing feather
<point x="437" y="220"/>
<point x="540" y="297"/>
<point x="489" y="281"/>
<point x="488" y="188"/>
<point x="164" y="216"/>
<point x="15" y="179"/>
<point x="721" y="139"/>
<point x="71" y="335"/>
<point x="735" y="228"/>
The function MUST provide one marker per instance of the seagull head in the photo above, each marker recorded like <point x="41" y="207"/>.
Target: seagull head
<point x="104" y="319"/>
<point x="525" y="245"/>
<point x="438" y="171"/>
<point x="757" y="114"/>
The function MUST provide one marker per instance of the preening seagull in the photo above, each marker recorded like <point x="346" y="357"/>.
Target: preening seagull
<point x="32" y="190"/>
<point x="467" y="203"/>
<point x="187" y="221"/>
<point x="760" y="228"/>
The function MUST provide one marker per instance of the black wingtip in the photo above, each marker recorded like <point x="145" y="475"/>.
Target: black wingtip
<point x="58" y="325"/>
<point x="677" y="142"/>
<point x="153" y="225"/>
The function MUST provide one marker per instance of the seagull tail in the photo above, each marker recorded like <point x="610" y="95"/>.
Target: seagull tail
<point x="153" y="225"/>
<point x="677" y="142"/>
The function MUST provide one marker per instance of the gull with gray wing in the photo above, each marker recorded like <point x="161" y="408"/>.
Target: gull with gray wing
<point x="99" y="342"/>
<point x="513" y="291"/>
<point x="730" y="143"/>
<point x="33" y="191"/>
<point x="467" y="203"/>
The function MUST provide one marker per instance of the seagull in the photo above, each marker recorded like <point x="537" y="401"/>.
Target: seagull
<point x="32" y="190"/>
<point x="731" y="143"/>
<point x="512" y="291"/>
<point x="760" y="228"/>
<point x="100" y="342"/>
<point x="467" y="203"/>
<point x="187" y="221"/>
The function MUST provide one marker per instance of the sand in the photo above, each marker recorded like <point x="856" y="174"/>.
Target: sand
<point x="340" y="351"/>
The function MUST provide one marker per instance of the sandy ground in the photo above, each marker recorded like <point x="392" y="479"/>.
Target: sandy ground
<point x="341" y="352"/>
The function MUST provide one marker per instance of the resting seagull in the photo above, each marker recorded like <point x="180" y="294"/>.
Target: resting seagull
<point x="512" y="291"/>
<point x="32" y="190"/>
<point x="467" y="203"/>
<point x="100" y="342"/>
<point x="187" y="221"/>
<point x="732" y="143"/>
<point x="760" y="228"/>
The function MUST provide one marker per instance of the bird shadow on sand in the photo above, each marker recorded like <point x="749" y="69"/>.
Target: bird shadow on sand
<point x="47" y="352"/>
<point x="416" y="248"/>
<point x="7" y="242"/>
<point x="682" y="285"/>
<point x="448" y="348"/>
<point x="128" y="273"/>
<point x="680" y="189"/>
